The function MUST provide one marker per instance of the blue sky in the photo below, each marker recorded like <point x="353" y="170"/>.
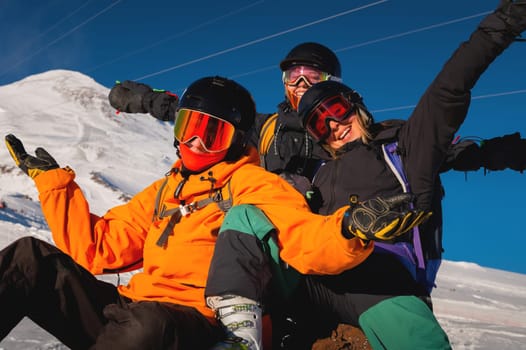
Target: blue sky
<point x="390" y="51"/>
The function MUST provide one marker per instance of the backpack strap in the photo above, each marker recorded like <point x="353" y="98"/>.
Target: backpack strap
<point x="185" y="209"/>
<point x="394" y="161"/>
<point x="266" y="134"/>
<point x="158" y="197"/>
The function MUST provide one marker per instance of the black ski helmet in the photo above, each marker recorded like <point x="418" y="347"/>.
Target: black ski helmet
<point x="224" y="99"/>
<point x="313" y="55"/>
<point x="321" y="91"/>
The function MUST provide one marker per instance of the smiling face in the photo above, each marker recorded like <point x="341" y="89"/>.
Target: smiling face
<point x="298" y="79"/>
<point x="344" y="131"/>
<point x="295" y="92"/>
<point x="335" y="121"/>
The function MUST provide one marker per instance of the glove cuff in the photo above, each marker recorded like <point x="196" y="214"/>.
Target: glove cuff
<point x="160" y="104"/>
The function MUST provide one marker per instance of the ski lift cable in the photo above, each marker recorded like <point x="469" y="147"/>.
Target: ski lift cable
<point x="394" y="36"/>
<point x="479" y="97"/>
<point x="178" y="35"/>
<point x="27" y="58"/>
<point x="389" y="37"/>
<point x="237" y="47"/>
<point x="28" y="43"/>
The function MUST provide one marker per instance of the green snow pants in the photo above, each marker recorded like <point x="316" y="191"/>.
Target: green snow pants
<point x="379" y="323"/>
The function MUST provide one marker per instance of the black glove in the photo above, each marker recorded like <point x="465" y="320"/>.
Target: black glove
<point x="128" y="96"/>
<point x="463" y="156"/>
<point x="508" y="151"/>
<point x="32" y="166"/>
<point x="508" y="19"/>
<point x="381" y="219"/>
<point x="133" y="97"/>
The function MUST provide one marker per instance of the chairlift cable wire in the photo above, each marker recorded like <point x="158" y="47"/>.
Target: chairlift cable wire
<point x="29" y="42"/>
<point x="178" y="35"/>
<point x="27" y="58"/>
<point x="479" y="97"/>
<point x="394" y="36"/>
<point x="237" y="47"/>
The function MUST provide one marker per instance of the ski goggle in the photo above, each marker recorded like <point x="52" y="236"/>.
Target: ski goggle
<point x="336" y="108"/>
<point x="215" y="134"/>
<point x="310" y="75"/>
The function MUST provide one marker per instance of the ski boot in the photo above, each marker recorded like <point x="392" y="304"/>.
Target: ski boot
<point x="241" y="318"/>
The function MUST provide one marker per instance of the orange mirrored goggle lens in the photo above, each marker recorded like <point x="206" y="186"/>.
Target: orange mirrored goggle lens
<point x="336" y="108"/>
<point x="216" y="134"/>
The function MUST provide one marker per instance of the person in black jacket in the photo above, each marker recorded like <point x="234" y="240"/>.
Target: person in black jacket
<point x="290" y="151"/>
<point x="388" y="299"/>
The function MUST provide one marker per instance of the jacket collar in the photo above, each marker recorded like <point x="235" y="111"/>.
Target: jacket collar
<point x="212" y="178"/>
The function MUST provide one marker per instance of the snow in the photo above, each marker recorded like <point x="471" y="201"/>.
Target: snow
<point x="116" y="155"/>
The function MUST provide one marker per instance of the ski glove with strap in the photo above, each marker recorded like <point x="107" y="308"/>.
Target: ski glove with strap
<point x="381" y="219"/>
<point x="32" y="166"/>
<point x="132" y="97"/>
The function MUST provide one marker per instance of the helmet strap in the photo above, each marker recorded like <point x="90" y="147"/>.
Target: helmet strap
<point x="239" y="145"/>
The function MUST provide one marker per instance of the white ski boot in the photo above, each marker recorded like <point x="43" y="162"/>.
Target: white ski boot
<point x="241" y="318"/>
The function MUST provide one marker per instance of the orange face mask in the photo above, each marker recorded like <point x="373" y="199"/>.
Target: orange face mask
<point x="200" y="161"/>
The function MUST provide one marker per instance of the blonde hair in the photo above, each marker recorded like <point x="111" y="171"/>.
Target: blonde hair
<point x="364" y="122"/>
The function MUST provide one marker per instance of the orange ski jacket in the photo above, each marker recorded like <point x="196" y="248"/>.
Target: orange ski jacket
<point x="125" y="237"/>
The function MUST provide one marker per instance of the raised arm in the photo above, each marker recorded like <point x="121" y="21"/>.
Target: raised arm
<point x="133" y="97"/>
<point x="427" y="136"/>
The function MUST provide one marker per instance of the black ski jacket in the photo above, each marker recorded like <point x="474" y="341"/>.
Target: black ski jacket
<point x="292" y="149"/>
<point x="423" y="142"/>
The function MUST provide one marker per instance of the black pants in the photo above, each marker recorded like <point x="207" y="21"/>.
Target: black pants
<point x="39" y="281"/>
<point x="241" y="267"/>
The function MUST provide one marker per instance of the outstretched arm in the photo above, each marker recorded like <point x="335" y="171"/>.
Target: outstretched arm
<point x="113" y="241"/>
<point x="427" y="136"/>
<point x="133" y="97"/>
<point x="498" y="153"/>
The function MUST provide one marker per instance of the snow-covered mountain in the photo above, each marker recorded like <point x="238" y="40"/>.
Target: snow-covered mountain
<point x="116" y="155"/>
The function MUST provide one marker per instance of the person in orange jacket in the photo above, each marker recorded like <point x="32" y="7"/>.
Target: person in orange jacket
<point x="170" y="230"/>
